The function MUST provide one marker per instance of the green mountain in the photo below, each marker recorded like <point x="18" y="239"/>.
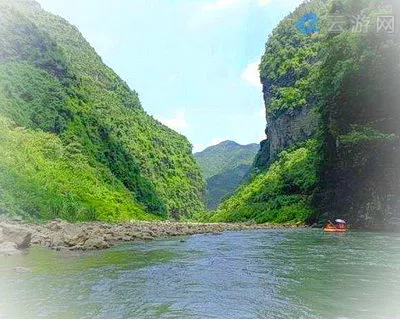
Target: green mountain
<point x="76" y="142"/>
<point x="224" y="167"/>
<point x="332" y="125"/>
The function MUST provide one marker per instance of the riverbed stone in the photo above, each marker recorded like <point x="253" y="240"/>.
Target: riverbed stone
<point x="20" y="236"/>
<point x="73" y="238"/>
<point x="62" y="235"/>
<point x="95" y="243"/>
<point x="8" y="249"/>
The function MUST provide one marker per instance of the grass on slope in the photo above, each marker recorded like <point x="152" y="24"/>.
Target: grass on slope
<point x="40" y="178"/>
<point x="280" y="194"/>
<point x="224" y="156"/>
<point x="52" y="80"/>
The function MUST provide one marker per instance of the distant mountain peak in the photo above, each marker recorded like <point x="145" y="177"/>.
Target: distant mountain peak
<point x="224" y="165"/>
<point x="228" y="143"/>
<point x="29" y="3"/>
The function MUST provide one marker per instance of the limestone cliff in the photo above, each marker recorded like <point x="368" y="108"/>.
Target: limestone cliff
<point x="331" y="98"/>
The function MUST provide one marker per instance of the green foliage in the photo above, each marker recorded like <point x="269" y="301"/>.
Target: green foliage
<point x="51" y="80"/>
<point x="222" y="185"/>
<point x="350" y="80"/>
<point x="287" y="68"/>
<point x="40" y="178"/>
<point x="224" y="167"/>
<point x="366" y="134"/>
<point x="359" y="103"/>
<point x="224" y="156"/>
<point x="280" y="194"/>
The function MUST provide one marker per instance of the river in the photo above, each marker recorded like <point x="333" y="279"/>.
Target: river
<point x="249" y="274"/>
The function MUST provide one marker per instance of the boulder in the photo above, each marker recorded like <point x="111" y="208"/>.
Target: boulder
<point x="95" y="243"/>
<point x="55" y="225"/>
<point x="72" y="239"/>
<point x="21" y="237"/>
<point x="8" y="248"/>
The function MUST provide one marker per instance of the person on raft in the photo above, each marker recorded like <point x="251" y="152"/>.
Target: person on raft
<point x="339" y="224"/>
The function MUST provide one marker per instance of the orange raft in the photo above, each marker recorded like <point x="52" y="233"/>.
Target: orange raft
<point x="338" y="226"/>
<point x="334" y="229"/>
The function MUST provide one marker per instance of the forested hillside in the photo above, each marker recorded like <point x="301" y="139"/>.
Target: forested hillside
<point x="76" y="142"/>
<point x="331" y="98"/>
<point x="224" y="167"/>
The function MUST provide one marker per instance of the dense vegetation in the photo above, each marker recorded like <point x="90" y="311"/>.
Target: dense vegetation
<point x="345" y="162"/>
<point x="224" y="167"/>
<point x="88" y="150"/>
<point x="280" y="194"/>
<point x="224" y="156"/>
<point x="360" y="76"/>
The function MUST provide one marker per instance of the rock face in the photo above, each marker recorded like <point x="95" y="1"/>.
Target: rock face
<point x="341" y="91"/>
<point x="362" y="185"/>
<point x="285" y="129"/>
<point x="13" y="238"/>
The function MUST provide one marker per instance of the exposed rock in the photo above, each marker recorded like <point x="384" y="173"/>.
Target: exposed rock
<point x="55" y="225"/>
<point x="21" y="237"/>
<point x="284" y="130"/>
<point x="72" y="239"/>
<point x="8" y="248"/>
<point x="61" y="235"/>
<point x="95" y="243"/>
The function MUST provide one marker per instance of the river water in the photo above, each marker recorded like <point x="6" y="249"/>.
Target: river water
<point x="250" y="274"/>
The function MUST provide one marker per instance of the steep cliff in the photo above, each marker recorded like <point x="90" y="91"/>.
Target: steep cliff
<point x="360" y="78"/>
<point x="88" y="149"/>
<point x="332" y="147"/>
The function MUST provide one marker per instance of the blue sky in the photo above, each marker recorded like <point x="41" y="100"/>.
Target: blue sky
<point x="193" y="62"/>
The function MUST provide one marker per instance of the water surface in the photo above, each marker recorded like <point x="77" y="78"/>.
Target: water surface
<point x="250" y="274"/>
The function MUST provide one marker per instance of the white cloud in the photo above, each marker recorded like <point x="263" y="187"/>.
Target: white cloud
<point x="263" y="3"/>
<point x="219" y="5"/>
<point x="226" y="4"/>
<point x="177" y="123"/>
<point x="251" y="74"/>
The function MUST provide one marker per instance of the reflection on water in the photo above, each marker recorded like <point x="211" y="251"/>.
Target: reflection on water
<point x="269" y="274"/>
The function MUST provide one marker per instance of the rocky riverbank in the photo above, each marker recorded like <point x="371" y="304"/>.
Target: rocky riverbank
<point x="61" y="235"/>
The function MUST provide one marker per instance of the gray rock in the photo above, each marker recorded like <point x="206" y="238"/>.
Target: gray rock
<point x="72" y="239"/>
<point x="21" y="237"/>
<point x="95" y="243"/>
<point x="55" y="225"/>
<point x="8" y="249"/>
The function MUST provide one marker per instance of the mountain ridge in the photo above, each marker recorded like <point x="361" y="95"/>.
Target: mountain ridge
<point x="224" y="166"/>
<point x="53" y="81"/>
